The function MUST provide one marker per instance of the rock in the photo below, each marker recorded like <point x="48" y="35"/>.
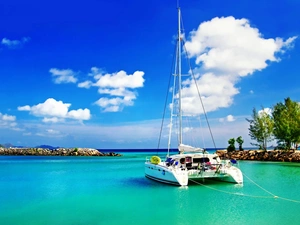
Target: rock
<point x="56" y="152"/>
<point x="261" y="155"/>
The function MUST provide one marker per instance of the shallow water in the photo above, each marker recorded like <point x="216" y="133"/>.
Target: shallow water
<point x="113" y="190"/>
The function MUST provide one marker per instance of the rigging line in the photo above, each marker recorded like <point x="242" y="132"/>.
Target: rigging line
<point x="246" y="195"/>
<point x="231" y="193"/>
<point x="275" y="196"/>
<point x="259" y="186"/>
<point x="166" y="100"/>
<point x="203" y="142"/>
<point x="288" y="199"/>
<point x="194" y="78"/>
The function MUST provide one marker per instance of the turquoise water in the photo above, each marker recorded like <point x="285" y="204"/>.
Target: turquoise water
<point x="113" y="190"/>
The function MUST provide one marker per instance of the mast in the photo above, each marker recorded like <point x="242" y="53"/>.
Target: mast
<point x="179" y="76"/>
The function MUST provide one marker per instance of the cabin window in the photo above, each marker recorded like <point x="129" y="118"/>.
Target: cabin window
<point x="188" y="159"/>
<point x="201" y="160"/>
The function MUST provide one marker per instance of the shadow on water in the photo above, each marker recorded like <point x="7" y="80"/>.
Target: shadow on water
<point x="146" y="182"/>
<point x="210" y="182"/>
<point x="138" y="182"/>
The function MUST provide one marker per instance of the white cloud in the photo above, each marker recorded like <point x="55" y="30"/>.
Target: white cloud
<point x="86" y="84"/>
<point x="51" y="131"/>
<point x="79" y="114"/>
<point x="230" y="118"/>
<point x="63" y="76"/>
<point x="14" y="43"/>
<point x="13" y="124"/>
<point x="56" y="111"/>
<point x="6" y="117"/>
<point x="110" y="104"/>
<point x="8" y="121"/>
<point x="120" y="79"/>
<point x="24" y="108"/>
<point x="187" y="129"/>
<point x="226" y="50"/>
<point x="216" y="92"/>
<point x="52" y="120"/>
<point x="51" y="107"/>
<point x="119" y="88"/>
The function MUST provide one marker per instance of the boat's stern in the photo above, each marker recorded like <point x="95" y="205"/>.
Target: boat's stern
<point x="235" y="175"/>
<point x="170" y="175"/>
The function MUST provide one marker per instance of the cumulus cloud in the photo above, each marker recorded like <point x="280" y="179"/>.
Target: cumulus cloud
<point x="24" y="108"/>
<point x="110" y="104"/>
<point x="52" y="120"/>
<point x="86" y="84"/>
<point x="79" y="114"/>
<point x="8" y="121"/>
<point x="6" y="117"/>
<point x="56" y="111"/>
<point x="229" y="118"/>
<point x="119" y="88"/>
<point x="63" y="76"/>
<point x="226" y="50"/>
<point x="213" y="90"/>
<point x="14" y="43"/>
<point x="120" y="80"/>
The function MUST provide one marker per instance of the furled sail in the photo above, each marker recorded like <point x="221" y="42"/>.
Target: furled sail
<point x="187" y="148"/>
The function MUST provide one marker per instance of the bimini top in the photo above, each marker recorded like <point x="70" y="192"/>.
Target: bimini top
<point x="187" y="148"/>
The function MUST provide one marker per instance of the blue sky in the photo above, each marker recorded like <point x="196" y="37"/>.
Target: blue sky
<point x="95" y="73"/>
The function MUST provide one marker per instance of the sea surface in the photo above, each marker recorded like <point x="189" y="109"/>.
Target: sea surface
<point x="113" y="190"/>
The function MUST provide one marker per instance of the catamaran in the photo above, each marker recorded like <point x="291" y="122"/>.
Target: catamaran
<point x="191" y="163"/>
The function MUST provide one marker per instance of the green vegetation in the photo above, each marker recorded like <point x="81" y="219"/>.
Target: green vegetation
<point x="287" y="123"/>
<point x="231" y="146"/>
<point x="240" y="141"/>
<point x="283" y="124"/>
<point x="232" y="141"/>
<point x="261" y="128"/>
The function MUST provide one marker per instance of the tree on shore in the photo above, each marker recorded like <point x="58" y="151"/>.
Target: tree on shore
<point x="240" y="141"/>
<point x="261" y="128"/>
<point x="286" y="118"/>
<point x="231" y="146"/>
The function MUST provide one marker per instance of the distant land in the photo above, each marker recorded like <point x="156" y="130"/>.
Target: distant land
<point x="9" y="145"/>
<point x="50" y="147"/>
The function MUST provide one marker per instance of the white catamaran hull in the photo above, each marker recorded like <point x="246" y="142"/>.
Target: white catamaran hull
<point x="178" y="176"/>
<point x="166" y="174"/>
<point x="181" y="174"/>
<point x="231" y="174"/>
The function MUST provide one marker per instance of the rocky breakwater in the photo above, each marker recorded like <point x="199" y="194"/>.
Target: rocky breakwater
<point x="261" y="155"/>
<point x="55" y="152"/>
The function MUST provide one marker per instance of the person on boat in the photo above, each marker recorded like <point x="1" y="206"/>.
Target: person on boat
<point x="169" y="161"/>
<point x="182" y="162"/>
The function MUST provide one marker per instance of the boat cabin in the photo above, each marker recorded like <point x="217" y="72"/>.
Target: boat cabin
<point x="191" y="162"/>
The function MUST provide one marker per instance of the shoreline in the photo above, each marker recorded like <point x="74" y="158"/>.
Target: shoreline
<point x="55" y="152"/>
<point x="262" y="155"/>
